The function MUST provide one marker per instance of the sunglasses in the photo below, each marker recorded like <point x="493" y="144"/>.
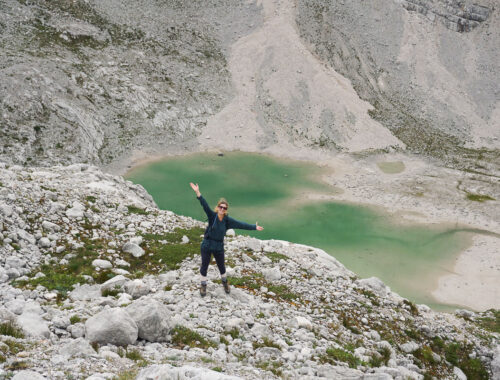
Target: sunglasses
<point x="222" y="207"/>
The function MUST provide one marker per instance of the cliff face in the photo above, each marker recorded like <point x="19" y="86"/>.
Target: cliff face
<point x="87" y="81"/>
<point x="428" y="67"/>
<point x="106" y="283"/>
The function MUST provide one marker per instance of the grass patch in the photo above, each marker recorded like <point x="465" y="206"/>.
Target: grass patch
<point x="137" y="210"/>
<point x="75" y="319"/>
<point x="490" y="323"/>
<point x="17" y="366"/>
<point x="161" y="255"/>
<point x="334" y="355"/>
<point x="458" y="355"/>
<point x="272" y="366"/>
<point x="183" y="336"/>
<point x="276" y="257"/>
<point x="134" y="355"/>
<point x="266" y="342"/>
<point x="217" y="369"/>
<point x="13" y="346"/>
<point x="110" y="292"/>
<point x="11" y="329"/>
<point x="127" y="375"/>
<point x="234" y="333"/>
<point x="91" y="199"/>
<point x="63" y="277"/>
<point x="478" y="197"/>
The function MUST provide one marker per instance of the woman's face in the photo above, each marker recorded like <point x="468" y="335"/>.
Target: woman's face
<point x="222" y="209"/>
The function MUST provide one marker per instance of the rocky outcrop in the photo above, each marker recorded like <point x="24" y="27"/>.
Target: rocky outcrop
<point x="455" y="15"/>
<point x="87" y="81"/>
<point x="293" y="312"/>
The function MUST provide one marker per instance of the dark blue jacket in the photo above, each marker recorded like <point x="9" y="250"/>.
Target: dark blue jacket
<point x="217" y="228"/>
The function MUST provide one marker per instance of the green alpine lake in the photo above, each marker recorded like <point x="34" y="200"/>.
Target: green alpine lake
<point x="283" y="196"/>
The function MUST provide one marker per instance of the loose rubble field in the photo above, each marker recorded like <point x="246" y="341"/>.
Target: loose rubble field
<point x="97" y="283"/>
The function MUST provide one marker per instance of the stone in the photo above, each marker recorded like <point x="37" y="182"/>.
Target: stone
<point x="114" y="283"/>
<point x="28" y="375"/>
<point x="133" y="249"/>
<point x="6" y="210"/>
<point x="111" y="326"/>
<point x="49" y="226"/>
<point x="459" y="375"/>
<point x="33" y="325"/>
<point x="86" y="292"/>
<point x="152" y="319"/>
<point x="102" y="264"/>
<point x="44" y="242"/>
<point x="374" y="284"/>
<point x="272" y="274"/>
<point x="77" y="348"/>
<point x="185" y="240"/>
<point x="409" y="347"/>
<point x="26" y="236"/>
<point x="77" y="330"/>
<point x="61" y="322"/>
<point x="137" y="288"/>
<point x="168" y="372"/>
<point x="232" y="323"/>
<point x="15" y="306"/>
<point x="300" y="322"/>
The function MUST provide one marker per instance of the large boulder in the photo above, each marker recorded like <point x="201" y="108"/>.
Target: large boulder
<point x="33" y="325"/>
<point x="152" y="319"/>
<point x="28" y="375"/>
<point x="167" y="372"/>
<point x="133" y="249"/>
<point x="111" y="326"/>
<point x="77" y="348"/>
<point x="137" y="288"/>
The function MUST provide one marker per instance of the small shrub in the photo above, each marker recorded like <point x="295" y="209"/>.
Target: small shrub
<point x="136" y="210"/>
<point x="183" y="336"/>
<point x="275" y="257"/>
<point x="11" y="329"/>
<point x="75" y="319"/>
<point x="235" y="333"/>
<point x="110" y="292"/>
<point x="334" y="355"/>
<point x="134" y="355"/>
<point x="479" y="197"/>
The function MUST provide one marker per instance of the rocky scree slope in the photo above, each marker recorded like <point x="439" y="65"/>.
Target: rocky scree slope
<point x="429" y="68"/>
<point x="89" y="81"/>
<point x="97" y="283"/>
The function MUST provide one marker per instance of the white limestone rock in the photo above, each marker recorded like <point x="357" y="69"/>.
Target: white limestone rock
<point x="77" y="348"/>
<point x="102" y="264"/>
<point x="28" y="375"/>
<point x="111" y="326"/>
<point x="33" y="325"/>
<point x="133" y="249"/>
<point x="374" y="284"/>
<point x="272" y="274"/>
<point x="168" y="372"/>
<point x="137" y="288"/>
<point x="152" y="319"/>
<point x="114" y="283"/>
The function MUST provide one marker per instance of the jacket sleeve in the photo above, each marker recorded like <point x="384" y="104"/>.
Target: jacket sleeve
<point x="206" y="207"/>
<point x="233" y="223"/>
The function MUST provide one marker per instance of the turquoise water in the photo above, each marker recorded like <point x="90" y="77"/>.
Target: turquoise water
<point x="275" y="193"/>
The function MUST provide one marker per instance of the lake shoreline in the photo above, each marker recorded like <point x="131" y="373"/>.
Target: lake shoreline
<point x="362" y="182"/>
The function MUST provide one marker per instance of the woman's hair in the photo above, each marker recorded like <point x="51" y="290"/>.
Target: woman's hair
<point x="222" y="201"/>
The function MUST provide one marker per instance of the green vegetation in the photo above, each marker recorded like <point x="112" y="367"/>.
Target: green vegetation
<point x="63" y="277"/>
<point x="91" y="199"/>
<point x="17" y="365"/>
<point x="479" y="197"/>
<point x="490" y="323"/>
<point x="334" y="355"/>
<point x="458" y="354"/>
<point x="265" y="342"/>
<point x="11" y="329"/>
<point x="217" y="369"/>
<point x="381" y="357"/>
<point x="75" y="319"/>
<point x="276" y="257"/>
<point x="234" y="333"/>
<point x="161" y="255"/>
<point x="110" y="292"/>
<point x="134" y="355"/>
<point x="127" y="375"/>
<point x="254" y="280"/>
<point x="272" y="366"/>
<point x="136" y="210"/>
<point x="183" y="336"/>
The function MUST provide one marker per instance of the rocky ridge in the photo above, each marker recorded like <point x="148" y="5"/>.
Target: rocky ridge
<point x="106" y="283"/>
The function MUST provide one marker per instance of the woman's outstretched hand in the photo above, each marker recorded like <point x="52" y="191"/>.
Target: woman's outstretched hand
<point x="195" y="188"/>
<point x="259" y="228"/>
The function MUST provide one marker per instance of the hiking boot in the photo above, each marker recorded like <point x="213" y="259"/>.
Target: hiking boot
<point x="225" y="284"/>
<point x="203" y="290"/>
